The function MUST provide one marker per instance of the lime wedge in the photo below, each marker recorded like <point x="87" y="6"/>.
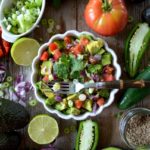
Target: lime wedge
<point x="43" y="129"/>
<point x="24" y="50"/>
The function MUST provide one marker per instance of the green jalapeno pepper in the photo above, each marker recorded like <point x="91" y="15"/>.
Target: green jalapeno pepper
<point x="135" y="46"/>
<point x="88" y="135"/>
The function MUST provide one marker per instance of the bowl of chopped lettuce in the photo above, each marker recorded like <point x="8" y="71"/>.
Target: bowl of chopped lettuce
<point x="80" y="57"/>
<point x="20" y="17"/>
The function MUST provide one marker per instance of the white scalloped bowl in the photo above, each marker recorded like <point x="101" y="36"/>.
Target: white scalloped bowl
<point x="35" y="74"/>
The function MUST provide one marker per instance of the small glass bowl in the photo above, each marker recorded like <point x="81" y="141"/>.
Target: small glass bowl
<point x="124" y="121"/>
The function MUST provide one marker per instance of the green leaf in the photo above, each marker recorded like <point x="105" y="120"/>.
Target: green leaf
<point x="76" y="66"/>
<point x="95" y="68"/>
<point x="61" y="70"/>
<point x="104" y="93"/>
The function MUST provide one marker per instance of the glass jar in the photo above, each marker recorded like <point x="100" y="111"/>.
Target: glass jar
<point x="123" y="124"/>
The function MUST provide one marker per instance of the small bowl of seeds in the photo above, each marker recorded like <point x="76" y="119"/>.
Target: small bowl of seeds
<point x="134" y="128"/>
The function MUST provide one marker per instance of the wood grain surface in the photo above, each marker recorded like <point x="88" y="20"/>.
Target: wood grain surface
<point x="70" y="16"/>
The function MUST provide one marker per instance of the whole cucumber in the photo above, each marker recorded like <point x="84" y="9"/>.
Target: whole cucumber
<point x="133" y="95"/>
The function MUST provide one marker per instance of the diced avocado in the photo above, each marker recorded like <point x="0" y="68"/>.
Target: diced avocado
<point x="46" y="68"/>
<point x="72" y="97"/>
<point x="45" y="89"/>
<point x="60" y="106"/>
<point x="73" y="111"/>
<point x="88" y="105"/>
<point x="106" y="59"/>
<point x="95" y="68"/>
<point x="50" y="77"/>
<point x="59" y="43"/>
<point x="101" y="51"/>
<point x="50" y="101"/>
<point x="94" y="46"/>
<point x="89" y="37"/>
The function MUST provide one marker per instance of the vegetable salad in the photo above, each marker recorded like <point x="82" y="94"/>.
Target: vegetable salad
<point x="21" y="17"/>
<point x="82" y="59"/>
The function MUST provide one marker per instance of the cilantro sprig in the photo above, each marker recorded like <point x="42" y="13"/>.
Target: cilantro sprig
<point x="68" y="67"/>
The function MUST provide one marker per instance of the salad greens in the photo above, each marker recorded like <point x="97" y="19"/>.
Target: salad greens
<point x="22" y="15"/>
<point x="68" y="66"/>
<point x="82" y="59"/>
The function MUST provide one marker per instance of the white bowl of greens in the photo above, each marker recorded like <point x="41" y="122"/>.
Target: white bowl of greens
<point x="20" y="17"/>
<point x="69" y="57"/>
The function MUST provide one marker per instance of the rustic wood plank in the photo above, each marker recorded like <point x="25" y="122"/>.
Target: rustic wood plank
<point x="70" y="16"/>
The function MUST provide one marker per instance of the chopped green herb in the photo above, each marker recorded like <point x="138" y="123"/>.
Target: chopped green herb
<point x="95" y="68"/>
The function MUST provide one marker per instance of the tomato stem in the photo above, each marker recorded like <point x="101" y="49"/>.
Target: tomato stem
<point x="106" y="6"/>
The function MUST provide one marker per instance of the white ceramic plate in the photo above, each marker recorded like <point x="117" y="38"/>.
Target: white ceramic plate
<point x="35" y="74"/>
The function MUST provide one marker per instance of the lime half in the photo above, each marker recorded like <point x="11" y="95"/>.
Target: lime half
<point x="43" y="129"/>
<point x="24" y="50"/>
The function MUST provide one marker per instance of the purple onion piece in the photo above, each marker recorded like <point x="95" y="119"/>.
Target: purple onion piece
<point x="95" y="107"/>
<point x="19" y="79"/>
<point x="2" y="67"/>
<point x="83" y="73"/>
<point x="95" y="77"/>
<point x="94" y="97"/>
<point x="2" y="75"/>
<point x="58" y="98"/>
<point x="68" y="46"/>
<point x="97" y="57"/>
<point x="75" y="42"/>
<point x="55" y="76"/>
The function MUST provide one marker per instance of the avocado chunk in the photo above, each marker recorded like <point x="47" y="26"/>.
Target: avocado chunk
<point x="13" y="116"/>
<point x="88" y="105"/>
<point x="72" y="97"/>
<point x="73" y="111"/>
<point x="9" y="141"/>
<point x="50" y="101"/>
<point x="94" y="46"/>
<point x="46" y="68"/>
<point x="61" y="106"/>
<point x="45" y="89"/>
<point x="106" y="59"/>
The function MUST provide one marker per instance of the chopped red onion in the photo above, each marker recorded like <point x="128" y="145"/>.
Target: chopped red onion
<point x="97" y="57"/>
<point x="19" y="79"/>
<point x="22" y="88"/>
<point x="95" y="77"/>
<point x="68" y="46"/>
<point x="95" y="107"/>
<point x="94" y="97"/>
<point x="22" y="103"/>
<point x="58" y="98"/>
<point x="2" y="73"/>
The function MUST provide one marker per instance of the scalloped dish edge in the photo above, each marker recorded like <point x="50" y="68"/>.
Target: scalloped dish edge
<point x="35" y="73"/>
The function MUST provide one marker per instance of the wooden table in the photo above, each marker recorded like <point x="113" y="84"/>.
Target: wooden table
<point x="70" y="16"/>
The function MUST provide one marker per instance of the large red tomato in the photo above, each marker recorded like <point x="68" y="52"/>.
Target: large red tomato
<point x="106" y="17"/>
